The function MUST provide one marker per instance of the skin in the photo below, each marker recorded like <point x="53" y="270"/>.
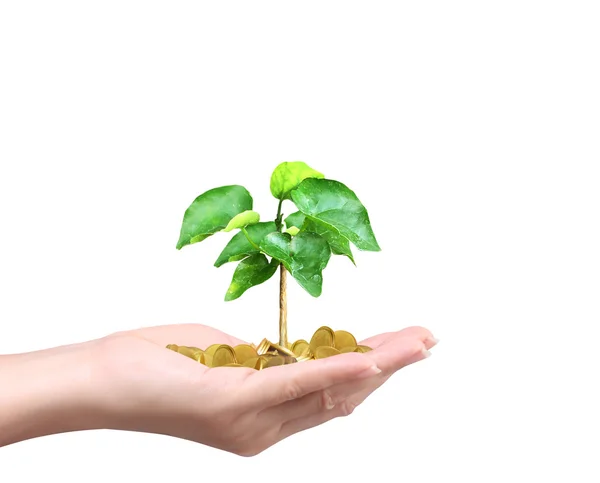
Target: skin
<point x="130" y="381"/>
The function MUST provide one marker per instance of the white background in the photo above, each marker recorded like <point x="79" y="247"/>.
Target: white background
<point x="470" y="130"/>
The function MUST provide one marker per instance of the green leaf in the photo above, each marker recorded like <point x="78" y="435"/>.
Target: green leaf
<point x="242" y="220"/>
<point x="251" y="271"/>
<point x="277" y="245"/>
<point x="305" y="256"/>
<point x="292" y="230"/>
<point x="295" y="219"/>
<point x="335" y="205"/>
<point x="310" y="255"/>
<point x="339" y="244"/>
<point x="288" y="175"/>
<point x="239" y="247"/>
<point x="211" y="212"/>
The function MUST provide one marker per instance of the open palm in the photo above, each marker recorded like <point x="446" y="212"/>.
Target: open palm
<point x="145" y="387"/>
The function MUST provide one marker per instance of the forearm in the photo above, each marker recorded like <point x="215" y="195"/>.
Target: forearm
<point x="45" y="392"/>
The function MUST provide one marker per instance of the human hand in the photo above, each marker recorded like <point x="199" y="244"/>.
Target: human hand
<point x="148" y="388"/>
<point x="130" y="381"/>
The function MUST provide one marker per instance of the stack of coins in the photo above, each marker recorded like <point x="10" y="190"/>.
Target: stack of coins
<point x="324" y="343"/>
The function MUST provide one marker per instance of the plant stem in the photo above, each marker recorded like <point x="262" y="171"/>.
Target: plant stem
<point x="278" y="220"/>
<point x="283" y="338"/>
<point x="250" y="239"/>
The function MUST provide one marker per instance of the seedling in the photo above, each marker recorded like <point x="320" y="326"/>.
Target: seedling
<point x="328" y="219"/>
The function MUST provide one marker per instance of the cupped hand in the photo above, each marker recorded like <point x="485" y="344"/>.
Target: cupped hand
<point x="142" y="386"/>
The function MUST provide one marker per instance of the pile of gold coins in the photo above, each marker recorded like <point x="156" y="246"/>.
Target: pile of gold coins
<point x="324" y="343"/>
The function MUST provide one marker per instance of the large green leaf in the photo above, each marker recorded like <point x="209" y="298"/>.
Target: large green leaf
<point x="278" y="245"/>
<point x="339" y="244"/>
<point x="211" y="212"/>
<point x="251" y="271"/>
<point x="239" y="247"/>
<point x="245" y="218"/>
<point x="334" y="204"/>
<point x="310" y="255"/>
<point x="305" y="256"/>
<point x="288" y="175"/>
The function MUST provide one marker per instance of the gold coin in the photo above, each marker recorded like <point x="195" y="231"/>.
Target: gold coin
<point x="299" y="346"/>
<point x="275" y="361"/>
<point x="224" y="355"/>
<point x="325" y="351"/>
<point x="323" y="336"/>
<point x="306" y="355"/>
<point x="281" y="350"/>
<point x="211" y="349"/>
<point x="263" y="362"/>
<point x="186" y="351"/>
<point x="233" y="364"/>
<point x="198" y="354"/>
<point x="173" y="347"/>
<point x="351" y="348"/>
<point x="362" y="348"/>
<point x="206" y="359"/>
<point x="244" y="352"/>
<point x="289" y="359"/>
<point x="343" y="338"/>
<point x="254" y="363"/>
<point x="263" y="347"/>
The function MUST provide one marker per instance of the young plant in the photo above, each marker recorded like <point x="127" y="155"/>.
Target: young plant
<point x="329" y="218"/>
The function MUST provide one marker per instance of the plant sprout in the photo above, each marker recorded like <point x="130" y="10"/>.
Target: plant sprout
<point x="329" y="217"/>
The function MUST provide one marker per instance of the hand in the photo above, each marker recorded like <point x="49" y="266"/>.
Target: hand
<point x="130" y="381"/>
<point x="152" y="389"/>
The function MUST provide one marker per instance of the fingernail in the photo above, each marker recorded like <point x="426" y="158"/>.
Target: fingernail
<point x="425" y="353"/>
<point x="432" y="340"/>
<point x="371" y="371"/>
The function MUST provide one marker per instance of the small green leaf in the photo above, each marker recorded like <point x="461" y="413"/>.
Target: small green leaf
<point x="305" y="256"/>
<point x="245" y="218"/>
<point x="288" y="175"/>
<point x="292" y="230"/>
<point x="251" y="271"/>
<point x="334" y="204"/>
<point x="211" y="212"/>
<point x="295" y="219"/>
<point x="239" y="247"/>
<point x="339" y="244"/>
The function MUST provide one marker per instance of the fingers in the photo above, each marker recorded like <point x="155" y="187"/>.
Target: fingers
<point x="401" y="352"/>
<point x="276" y="385"/>
<point x="195" y="335"/>
<point x="344" y="398"/>
<point x="416" y="331"/>
<point x="319" y="401"/>
<point x="300" y="424"/>
<point x="398" y="352"/>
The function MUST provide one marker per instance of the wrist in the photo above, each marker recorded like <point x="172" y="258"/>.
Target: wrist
<point x="46" y="392"/>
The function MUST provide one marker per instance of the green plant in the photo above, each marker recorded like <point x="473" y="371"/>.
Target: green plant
<point x="329" y="218"/>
